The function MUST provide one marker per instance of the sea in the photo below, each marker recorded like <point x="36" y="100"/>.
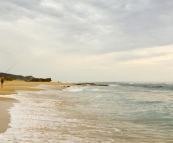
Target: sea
<point x="118" y="113"/>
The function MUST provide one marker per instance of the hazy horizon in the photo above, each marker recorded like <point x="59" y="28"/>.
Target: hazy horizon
<point x="87" y="40"/>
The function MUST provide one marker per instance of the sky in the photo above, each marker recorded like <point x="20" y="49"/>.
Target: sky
<point x="88" y="40"/>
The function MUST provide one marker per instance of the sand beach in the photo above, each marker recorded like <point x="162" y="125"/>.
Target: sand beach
<point x="121" y="112"/>
<point x="5" y="104"/>
<point x="10" y="87"/>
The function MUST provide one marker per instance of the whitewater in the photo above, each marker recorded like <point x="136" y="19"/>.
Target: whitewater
<point x="117" y="113"/>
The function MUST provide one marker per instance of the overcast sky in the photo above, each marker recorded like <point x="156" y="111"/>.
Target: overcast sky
<point x="88" y="40"/>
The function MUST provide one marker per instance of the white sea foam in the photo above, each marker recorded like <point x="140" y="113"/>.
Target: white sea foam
<point x="75" y="89"/>
<point x="36" y="119"/>
<point x="116" y="130"/>
<point x="98" y="96"/>
<point x="113" y="85"/>
<point x="95" y="89"/>
<point x="40" y="117"/>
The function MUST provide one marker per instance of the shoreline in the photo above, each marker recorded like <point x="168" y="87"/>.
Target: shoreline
<point x="5" y="104"/>
<point x="10" y="87"/>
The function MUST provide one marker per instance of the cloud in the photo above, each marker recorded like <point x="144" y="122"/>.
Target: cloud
<point x="98" y="32"/>
<point x="106" y="27"/>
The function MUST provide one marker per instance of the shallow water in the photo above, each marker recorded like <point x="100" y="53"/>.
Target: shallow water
<point x="121" y="112"/>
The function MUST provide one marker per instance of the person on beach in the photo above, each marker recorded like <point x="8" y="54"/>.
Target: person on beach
<point x="2" y="81"/>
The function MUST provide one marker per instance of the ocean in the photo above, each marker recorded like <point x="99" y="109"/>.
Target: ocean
<point x="118" y="113"/>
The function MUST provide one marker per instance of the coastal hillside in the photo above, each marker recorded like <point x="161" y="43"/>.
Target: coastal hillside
<point x="15" y="77"/>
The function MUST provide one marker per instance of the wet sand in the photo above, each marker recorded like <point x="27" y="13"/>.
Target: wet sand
<point x="10" y="87"/>
<point x="5" y="104"/>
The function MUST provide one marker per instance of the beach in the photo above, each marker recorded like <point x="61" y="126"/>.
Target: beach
<point x="11" y="87"/>
<point x="5" y="104"/>
<point x="67" y="113"/>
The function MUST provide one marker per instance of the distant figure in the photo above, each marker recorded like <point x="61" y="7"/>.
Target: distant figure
<point x="2" y="81"/>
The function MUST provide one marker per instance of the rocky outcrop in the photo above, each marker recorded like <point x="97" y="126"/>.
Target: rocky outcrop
<point x="92" y="84"/>
<point x="33" y="79"/>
